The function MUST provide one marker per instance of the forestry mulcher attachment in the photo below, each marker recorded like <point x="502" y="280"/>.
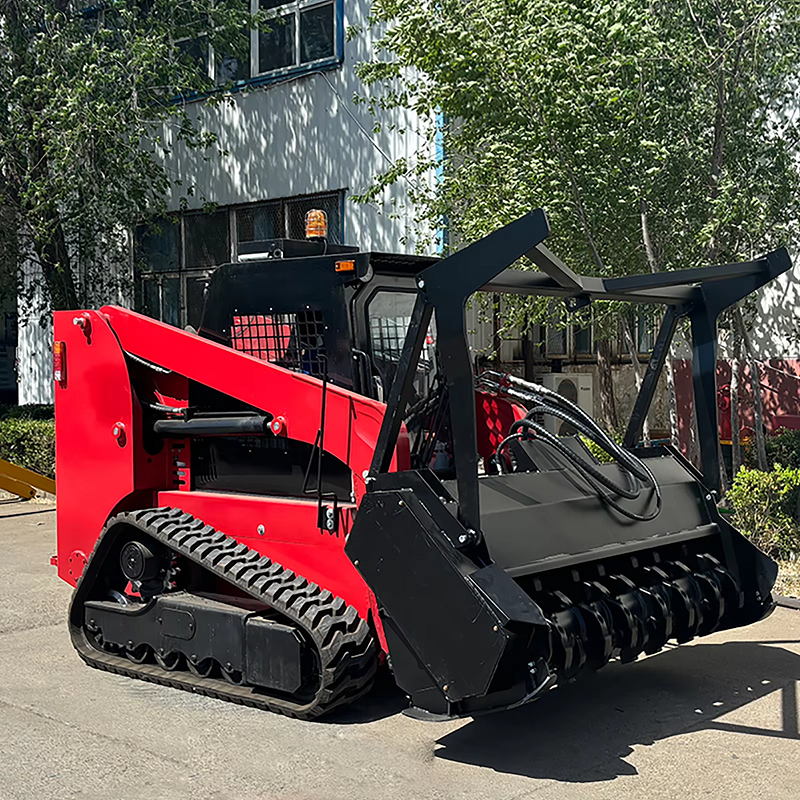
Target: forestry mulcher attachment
<point x="316" y="485"/>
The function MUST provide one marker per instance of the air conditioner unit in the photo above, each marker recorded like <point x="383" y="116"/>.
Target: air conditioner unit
<point x="575" y="386"/>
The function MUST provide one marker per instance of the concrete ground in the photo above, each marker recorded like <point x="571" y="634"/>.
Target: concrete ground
<point x="716" y="719"/>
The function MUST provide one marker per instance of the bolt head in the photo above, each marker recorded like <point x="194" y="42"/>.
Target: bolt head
<point x="463" y="538"/>
<point x="261" y="530"/>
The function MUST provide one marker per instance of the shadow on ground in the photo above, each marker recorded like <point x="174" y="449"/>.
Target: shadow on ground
<point x="584" y="731"/>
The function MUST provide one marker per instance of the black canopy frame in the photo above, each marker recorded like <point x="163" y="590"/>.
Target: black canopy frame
<point x="700" y="295"/>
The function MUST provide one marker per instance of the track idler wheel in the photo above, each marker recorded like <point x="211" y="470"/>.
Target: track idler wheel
<point x="138" y="562"/>
<point x="233" y="676"/>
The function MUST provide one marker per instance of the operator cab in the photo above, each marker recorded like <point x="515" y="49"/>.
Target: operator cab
<point x="321" y="309"/>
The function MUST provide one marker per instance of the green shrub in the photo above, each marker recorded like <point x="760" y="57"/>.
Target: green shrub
<point x="784" y="448"/>
<point x="26" y="412"/>
<point x="29" y="443"/>
<point x="765" y="506"/>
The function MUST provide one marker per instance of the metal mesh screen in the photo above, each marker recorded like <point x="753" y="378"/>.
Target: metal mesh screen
<point x="287" y="218"/>
<point x="296" y="215"/>
<point x="257" y="223"/>
<point x="293" y="341"/>
<point x="206" y="239"/>
<point x="388" y="335"/>
<point x="556" y="341"/>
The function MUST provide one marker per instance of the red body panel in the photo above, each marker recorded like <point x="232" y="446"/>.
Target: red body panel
<point x="494" y="417"/>
<point x="102" y="466"/>
<point x="291" y="536"/>
<point x="353" y="421"/>
<point x="95" y="470"/>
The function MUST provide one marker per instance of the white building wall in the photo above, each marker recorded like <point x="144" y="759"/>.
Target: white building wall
<point x="303" y="136"/>
<point x="775" y="332"/>
<point x="306" y="136"/>
<point x="35" y="340"/>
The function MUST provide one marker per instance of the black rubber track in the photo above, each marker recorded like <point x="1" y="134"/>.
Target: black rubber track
<point x="346" y="650"/>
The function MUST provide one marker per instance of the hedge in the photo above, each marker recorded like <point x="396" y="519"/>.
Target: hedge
<point x="27" y="412"/>
<point x="784" y="448"/>
<point x="28" y="437"/>
<point x="765" y="508"/>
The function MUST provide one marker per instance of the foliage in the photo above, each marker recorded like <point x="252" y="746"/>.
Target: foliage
<point x="765" y="506"/>
<point x="784" y="448"/>
<point x="40" y="412"/>
<point x="90" y="102"/>
<point x="656" y="136"/>
<point x="597" y="451"/>
<point x="29" y="443"/>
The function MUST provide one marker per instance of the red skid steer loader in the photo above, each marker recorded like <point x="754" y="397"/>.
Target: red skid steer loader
<point x="316" y="485"/>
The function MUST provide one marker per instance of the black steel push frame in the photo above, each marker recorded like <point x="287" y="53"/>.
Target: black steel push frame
<point x="700" y="295"/>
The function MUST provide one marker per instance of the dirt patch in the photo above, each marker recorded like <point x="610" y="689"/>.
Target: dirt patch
<point x="788" y="579"/>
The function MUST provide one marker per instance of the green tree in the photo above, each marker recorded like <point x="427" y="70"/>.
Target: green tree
<point x="657" y="136"/>
<point x="86" y="96"/>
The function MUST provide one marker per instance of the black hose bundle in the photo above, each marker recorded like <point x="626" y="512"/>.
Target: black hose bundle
<point x="546" y="401"/>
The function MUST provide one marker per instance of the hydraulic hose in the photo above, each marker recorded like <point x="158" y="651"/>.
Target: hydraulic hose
<point x="547" y="401"/>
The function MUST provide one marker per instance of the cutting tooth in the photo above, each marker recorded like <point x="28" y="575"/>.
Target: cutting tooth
<point x="618" y="615"/>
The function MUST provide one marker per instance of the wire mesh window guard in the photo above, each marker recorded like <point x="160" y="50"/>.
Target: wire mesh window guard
<point x="286" y="218"/>
<point x="293" y="341"/>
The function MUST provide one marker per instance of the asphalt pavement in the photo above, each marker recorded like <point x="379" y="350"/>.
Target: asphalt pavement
<point x="713" y="719"/>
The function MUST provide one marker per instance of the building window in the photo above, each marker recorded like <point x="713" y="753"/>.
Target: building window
<point x="296" y="34"/>
<point x="556" y="342"/>
<point x="583" y="340"/>
<point x="287" y="218"/>
<point x="174" y="258"/>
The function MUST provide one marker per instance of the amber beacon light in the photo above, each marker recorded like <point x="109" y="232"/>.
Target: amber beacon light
<point x="316" y="224"/>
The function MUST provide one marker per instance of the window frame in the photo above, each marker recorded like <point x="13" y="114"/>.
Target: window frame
<point x="299" y="67"/>
<point x="184" y="273"/>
